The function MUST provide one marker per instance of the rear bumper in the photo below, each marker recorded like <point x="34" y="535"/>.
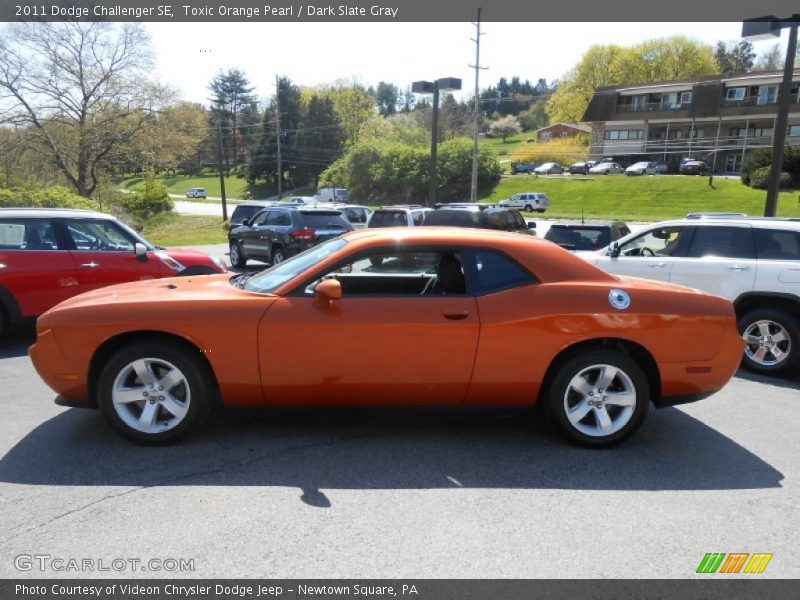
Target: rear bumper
<point x="66" y="378"/>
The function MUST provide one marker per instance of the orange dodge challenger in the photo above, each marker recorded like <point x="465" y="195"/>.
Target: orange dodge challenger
<point x="392" y="317"/>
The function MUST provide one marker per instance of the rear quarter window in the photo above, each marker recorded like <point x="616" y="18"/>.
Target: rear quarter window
<point x="493" y="271"/>
<point x="725" y="242"/>
<point x="327" y="220"/>
<point x="777" y="244"/>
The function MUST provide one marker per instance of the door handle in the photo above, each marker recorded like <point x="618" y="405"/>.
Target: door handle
<point x="738" y="267"/>
<point x="455" y="315"/>
<point x="657" y="265"/>
<point x="91" y="265"/>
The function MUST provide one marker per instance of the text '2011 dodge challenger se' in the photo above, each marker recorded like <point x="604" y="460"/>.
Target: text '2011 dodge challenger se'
<point x="392" y="317"/>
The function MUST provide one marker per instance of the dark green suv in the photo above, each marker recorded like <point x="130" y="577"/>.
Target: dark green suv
<point x="276" y="233"/>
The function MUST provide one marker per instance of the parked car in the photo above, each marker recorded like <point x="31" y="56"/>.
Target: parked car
<point x="418" y="316"/>
<point x="196" y="192"/>
<point x="581" y="168"/>
<point x="661" y="167"/>
<point x="301" y="201"/>
<point x="485" y="216"/>
<point x="549" y="168"/>
<point x="246" y="210"/>
<point x="355" y="213"/>
<point x="334" y="195"/>
<point x="519" y="167"/>
<point x="642" y="168"/>
<point x="753" y="262"/>
<point x="586" y="235"/>
<point x="399" y="215"/>
<point x="276" y="233"/>
<point x="606" y="168"/>
<point x="529" y="201"/>
<point x="694" y="167"/>
<point x="48" y="255"/>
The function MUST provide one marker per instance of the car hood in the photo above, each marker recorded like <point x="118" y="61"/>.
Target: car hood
<point x="184" y="290"/>
<point x="189" y="257"/>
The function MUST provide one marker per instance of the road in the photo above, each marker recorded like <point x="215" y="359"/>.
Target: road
<point x="401" y="494"/>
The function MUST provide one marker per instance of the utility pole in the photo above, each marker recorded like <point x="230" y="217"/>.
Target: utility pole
<point x="473" y="191"/>
<point x="278" y="129"/>
<point x="220" y="166"/>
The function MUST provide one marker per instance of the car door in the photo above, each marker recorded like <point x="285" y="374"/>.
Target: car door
<point x="383" y="343"/>
<point x="252" y="237"/>
<point x="719" y="259"/>
<point x="649" y="254"/>
<point x="104" y="254"/>
<point x="35" y="267"/>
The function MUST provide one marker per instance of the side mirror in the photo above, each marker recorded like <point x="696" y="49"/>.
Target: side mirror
<point x="326" y="292"/>
<point x="140" y="250"/>
<point x="531" y="224"/>
<point x="246" y="222"/>
<point x="614" y="249"/>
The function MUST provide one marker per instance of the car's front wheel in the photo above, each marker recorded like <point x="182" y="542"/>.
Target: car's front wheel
<point x="154" y="393"/>
<point x="772" y="341"/>
<point x="278" y="255"/>
<point x="529" y="207"/>
<point x="237" y="259"/>
<point x="598" y="398"/>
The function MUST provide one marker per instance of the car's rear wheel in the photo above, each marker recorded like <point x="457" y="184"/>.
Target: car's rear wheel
<point x="3" y="322"/>
<point x="154" y="393"/>
<point x="598" y="398"/>
<point x="278" y="255"/>
<point x="772" y="341"/>
<point x="236" y="256"/>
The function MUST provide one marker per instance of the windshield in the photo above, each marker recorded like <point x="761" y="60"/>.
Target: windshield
<point x="271" y="279"/>
<point x="389" y="218"/>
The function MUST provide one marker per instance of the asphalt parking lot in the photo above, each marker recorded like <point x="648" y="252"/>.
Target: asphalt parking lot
<point x="400" y="494"/>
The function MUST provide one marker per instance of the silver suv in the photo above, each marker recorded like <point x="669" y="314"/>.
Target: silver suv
<point x="754" y="262"/>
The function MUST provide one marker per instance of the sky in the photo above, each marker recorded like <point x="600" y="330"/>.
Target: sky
<point x="189" y="55"/>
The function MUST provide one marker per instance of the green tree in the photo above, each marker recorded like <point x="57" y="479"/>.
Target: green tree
<point x="234" y="111"/>
<point x="319" y="138"/>
<point x="81" y="91"/>
<point x="387" y="96"/>
<point x="264" y="159"/>
<point x="771" y="59"/>
<point x="734" y="57"/>
<point x="534" y="117"/>
<point x="654" y="60"/>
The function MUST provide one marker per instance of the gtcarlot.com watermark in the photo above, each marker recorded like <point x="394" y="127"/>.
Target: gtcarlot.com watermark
<point x="68" y="564"/>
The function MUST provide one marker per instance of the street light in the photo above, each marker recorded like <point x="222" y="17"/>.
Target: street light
<point x="765" y="28"/>
<point x="434" y="87"/>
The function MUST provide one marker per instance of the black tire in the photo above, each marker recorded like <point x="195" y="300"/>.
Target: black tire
<point x="556" y="399"/>
<point x="3" y="322"/>
<point x="278" y="255"/>
<point x="529" y="207"/>
<point x="237" y="257"/>
<point x="790" y="348"/>
<point x="197" y="387"/>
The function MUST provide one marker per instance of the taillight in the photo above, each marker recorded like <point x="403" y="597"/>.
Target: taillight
<point x="303" y="234"/>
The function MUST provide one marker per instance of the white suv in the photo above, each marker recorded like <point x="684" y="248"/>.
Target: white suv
<point x="754" y="262"/>
<point x="196" y="193"/>
<point x="529" y="201"/>
<point x="398" y="215"/>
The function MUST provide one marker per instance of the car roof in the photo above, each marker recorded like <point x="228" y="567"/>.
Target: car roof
<point x="63" y="213"/>
<point x="761" y="222"/>
<point x="586" y="223"/>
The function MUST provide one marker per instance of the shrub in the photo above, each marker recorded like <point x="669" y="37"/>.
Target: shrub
<point x="150" y="200"/>
<point x="762" y="158"/>
<point x="564" y="151"/>
<point x="759" y="178"/>
<point x="51" y="197"/>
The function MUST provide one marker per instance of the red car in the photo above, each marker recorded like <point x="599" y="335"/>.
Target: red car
<point x="48" y="255"/>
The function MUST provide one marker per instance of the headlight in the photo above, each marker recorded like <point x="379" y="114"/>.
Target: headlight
<point x="170" y="262"/>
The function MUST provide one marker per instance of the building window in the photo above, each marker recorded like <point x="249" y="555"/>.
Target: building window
<point x="686" y="97"/>
<point x="697" y="133"/>
<point x="767" y="94"/>
<point x="625" y="134"/>
<point x="735" y="94"/>
<point x="794" y="130"/>
<point x="736" y="132"/>
<point x="676" y="134"/>
<point x="564" y="134"/>
<point x="546" y="135"/>
<point x="761" y="132"/>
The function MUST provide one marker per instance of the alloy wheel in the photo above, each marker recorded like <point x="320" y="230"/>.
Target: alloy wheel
<point x="600" y="400"/>
<point x="767" y="343"/>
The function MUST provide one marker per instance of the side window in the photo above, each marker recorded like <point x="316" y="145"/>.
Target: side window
<point x="27" y="234"/>
<point x="355" y="215"/>
<point x="727" y="242"/>
<point x="278" y="218"/>
<point x="777" y="244"/>
<point x="655" y="242"/>
<point x="259" y="219"/>
<point x="418" y="216"/>
<point x="105" y="236"/>
<point x="493" y="271"/>
<point x="405" y="273"/>
<point x="495" y="220"/>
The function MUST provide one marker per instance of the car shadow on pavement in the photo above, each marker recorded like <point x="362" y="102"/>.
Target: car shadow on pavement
<point x="16" y="342"/>
<point x="790" y="383"/>
<point x="314" y="450"/>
